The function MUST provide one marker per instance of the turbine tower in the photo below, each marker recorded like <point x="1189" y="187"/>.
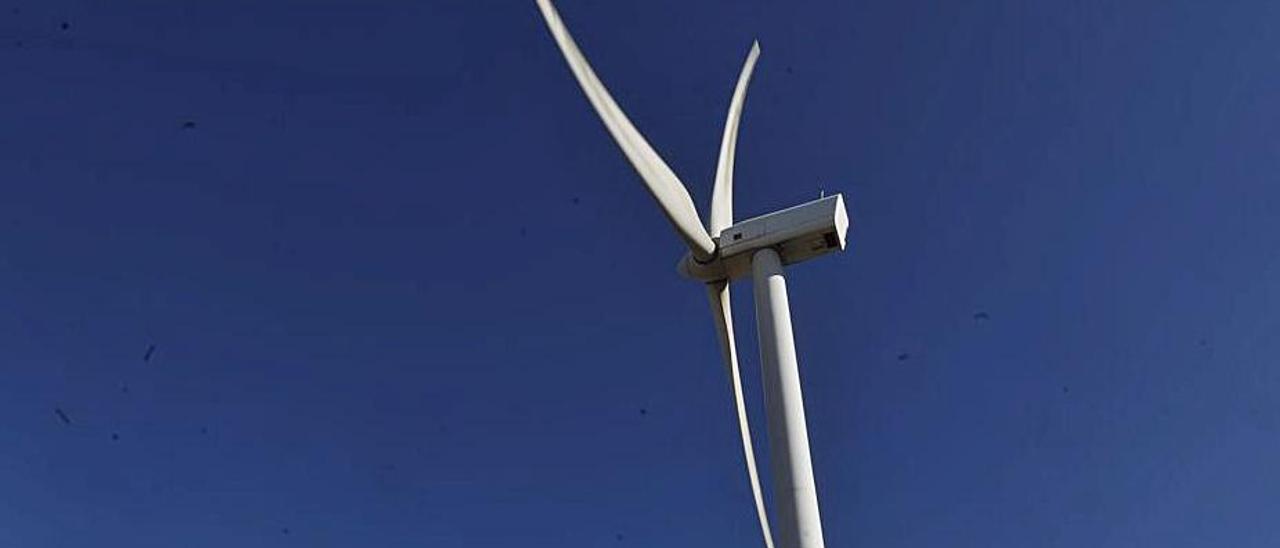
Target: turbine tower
<point x="723" y="252"/>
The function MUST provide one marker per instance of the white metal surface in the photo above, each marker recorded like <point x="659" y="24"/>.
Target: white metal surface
<point x="671" y="193"/>
<point x="722" y="311"/>
<point x="822" y="223"/>
<point x="722" y="194"/>
<point x="797" y="233"/>
<point x="796" y="518"/>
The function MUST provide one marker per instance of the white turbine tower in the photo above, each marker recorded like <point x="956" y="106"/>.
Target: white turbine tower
<point x="726" y="251"/>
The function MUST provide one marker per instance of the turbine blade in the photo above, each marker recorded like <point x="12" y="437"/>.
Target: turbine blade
<point x="722" y="194"/>
<point x="658" y="177"/>
<point x="718" y="294"/>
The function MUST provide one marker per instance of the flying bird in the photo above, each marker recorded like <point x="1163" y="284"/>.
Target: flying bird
<point x="62" y="415"/>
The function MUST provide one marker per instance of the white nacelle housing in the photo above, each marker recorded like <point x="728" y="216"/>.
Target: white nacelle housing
<point x="796" y="233"/>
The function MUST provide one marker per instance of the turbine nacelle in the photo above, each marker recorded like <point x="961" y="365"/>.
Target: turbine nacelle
<point x="797" y="233"/>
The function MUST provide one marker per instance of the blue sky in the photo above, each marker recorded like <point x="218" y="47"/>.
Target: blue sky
<point x="404" y="291"/>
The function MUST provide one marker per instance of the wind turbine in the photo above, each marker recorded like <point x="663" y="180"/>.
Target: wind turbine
<point x="723" y="252"/>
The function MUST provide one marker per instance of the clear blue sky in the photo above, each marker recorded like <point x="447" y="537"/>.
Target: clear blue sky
<point x="404" y="291"/>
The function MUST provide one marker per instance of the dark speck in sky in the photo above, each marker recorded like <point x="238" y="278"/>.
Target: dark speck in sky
<point x="284" y="530"/>
<point x="903" y="356"/>
<point x="115" y="436"/>
<point x="980" y="316"/>
<point x="575" y="200"/>
<point x="62" y="415"/>
<point x="1066" y="390"/>
<point x="65" y="25"/>
<point x="189" y="124"/>
<point x="644" y="411"/>
<point x="150" y="350"/>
